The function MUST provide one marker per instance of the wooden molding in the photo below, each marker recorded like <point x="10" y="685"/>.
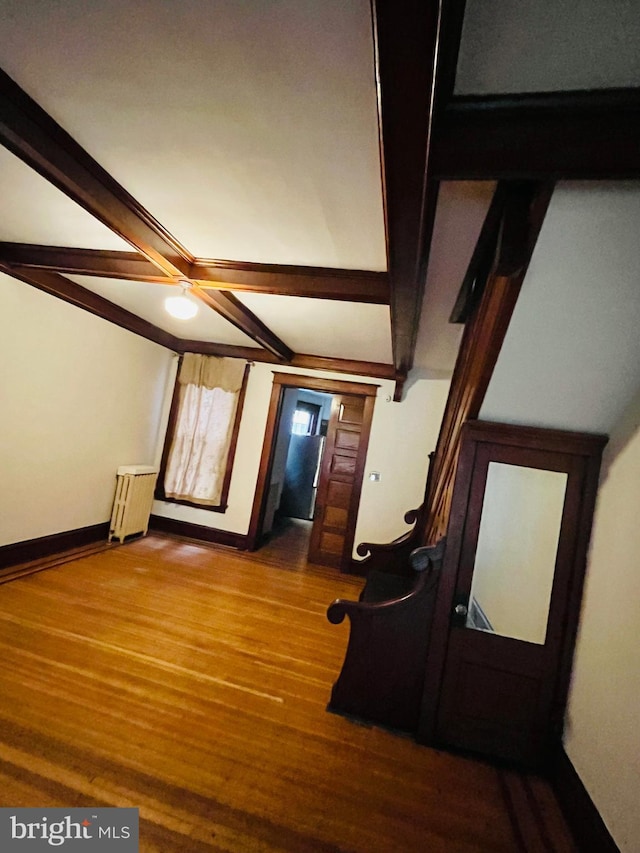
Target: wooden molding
<point x="128" y="266"/>
<point x="482" y="259"/>
<point x="168" y="441"/>
<point x="405" y="36"/>
<point x="481" y="344"/>
<point x="416" y="45"/>
<point x="588" y="828"/>
<point x="373" y="369"/>
<point x="48" y="546"/>
<point x="75" y="294"/>
<point x="558" y="135"/>
<point x="280" y="381"/>
<point x="327" y="386"/>
<point x="36" y="139"/>
<point x="198" y="532"/>
<point x="229" y="307"/>
<point x="314" y="282"/>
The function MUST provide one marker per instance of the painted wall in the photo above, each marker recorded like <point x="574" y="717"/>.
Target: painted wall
<point x="509" y="46"/>
<point x="571" y="354"/>
<point x="79" y="397"/>
<point x="601" y="736"/>
<point x="402" y="434"/>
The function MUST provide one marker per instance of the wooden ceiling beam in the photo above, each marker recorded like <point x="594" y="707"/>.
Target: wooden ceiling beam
<point x="313" y="282"/>
<point x="417" y="43"/>
<point x="482" y="258"/>
<point x="405" y="34"/>
<point x="128" y="266"/>
<point x="542" y="136"/>
<point x="67" y="290"/>
<point x="229" y="307"/>
<point x="32" y="135"/>
<point x="376" y="370"/>
<point x="62" y="288"/>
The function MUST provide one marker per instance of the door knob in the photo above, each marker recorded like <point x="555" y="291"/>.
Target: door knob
<point x="460" y="610"/>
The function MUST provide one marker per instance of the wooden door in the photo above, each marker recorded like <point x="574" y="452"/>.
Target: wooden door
<point x="341" y="480"/>
<point x="504" y="676"/>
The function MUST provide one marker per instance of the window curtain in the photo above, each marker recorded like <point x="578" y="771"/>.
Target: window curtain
<point x="208" y="398"/>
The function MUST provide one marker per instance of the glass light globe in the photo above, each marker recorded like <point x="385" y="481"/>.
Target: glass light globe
<point x="181" y="307"/>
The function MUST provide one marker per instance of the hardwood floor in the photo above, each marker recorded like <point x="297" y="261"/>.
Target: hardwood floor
<point x="191" y="681"/>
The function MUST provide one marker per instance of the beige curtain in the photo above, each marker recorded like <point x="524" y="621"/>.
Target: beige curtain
<point x="209" y="391"/>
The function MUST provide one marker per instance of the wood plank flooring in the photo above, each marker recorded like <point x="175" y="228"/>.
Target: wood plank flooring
<point x="191" y="681"/>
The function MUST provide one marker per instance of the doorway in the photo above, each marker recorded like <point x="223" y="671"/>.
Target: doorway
<point x="299" y="445"/>
<point x="312" y="463"/>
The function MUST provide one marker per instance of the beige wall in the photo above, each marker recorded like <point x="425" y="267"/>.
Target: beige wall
<point x="79" y="397"/>
<point x="402" y="434"/>
<point x="601" y="736"/>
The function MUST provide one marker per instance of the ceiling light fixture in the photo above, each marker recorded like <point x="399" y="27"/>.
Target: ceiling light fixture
<point x="181" y="307"/>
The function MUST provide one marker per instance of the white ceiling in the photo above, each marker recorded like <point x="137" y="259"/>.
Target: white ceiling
<point x="248" y="129"/>
<point x="147" y="301"/>
<point x="250" y="132"/>
<point x="326" y="327"/>
<point x="34" y="211"/>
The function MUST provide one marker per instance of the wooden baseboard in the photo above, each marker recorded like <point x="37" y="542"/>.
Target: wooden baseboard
<point x="200" y="532"/>
<point x="589" y="830"/>
<point x="55" y="543"/>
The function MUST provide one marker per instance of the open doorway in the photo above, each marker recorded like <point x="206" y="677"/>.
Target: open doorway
<point x="312" y="464"/>
<point x="300" y="441"/>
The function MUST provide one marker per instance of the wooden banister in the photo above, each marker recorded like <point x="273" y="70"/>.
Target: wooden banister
<point x="516" y="226"/>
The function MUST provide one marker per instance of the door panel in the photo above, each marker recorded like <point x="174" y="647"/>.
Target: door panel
<point x="347" y="440"/>
<point x="345" y="465"/>
<point x="496" y="681"/>
<point x="341" y="480"/>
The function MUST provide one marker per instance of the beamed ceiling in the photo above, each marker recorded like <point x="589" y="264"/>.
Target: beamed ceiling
<point x="320" y="172"/>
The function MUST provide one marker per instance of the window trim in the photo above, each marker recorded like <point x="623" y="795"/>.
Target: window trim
<point x="314" y="410"/>
<point x="159" y="493"/>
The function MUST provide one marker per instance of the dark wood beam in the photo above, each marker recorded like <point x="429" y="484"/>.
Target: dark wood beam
<point x="129" y="266"/>
<point x="61" y="287"/>
<point x="481" y="260"/>
<point x="517" y="230"/>
<point x="375" y="370"/>
<point x="406" y="35"/>
<point x="32" y="135"/>
<point x="314" y="282"/>
<point x="229" y="307"/>
<point x="559" y="135"/>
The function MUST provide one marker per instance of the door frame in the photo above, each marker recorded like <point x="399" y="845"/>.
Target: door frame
<point x="585" y="451"/>
<point x="282" y="381"/>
